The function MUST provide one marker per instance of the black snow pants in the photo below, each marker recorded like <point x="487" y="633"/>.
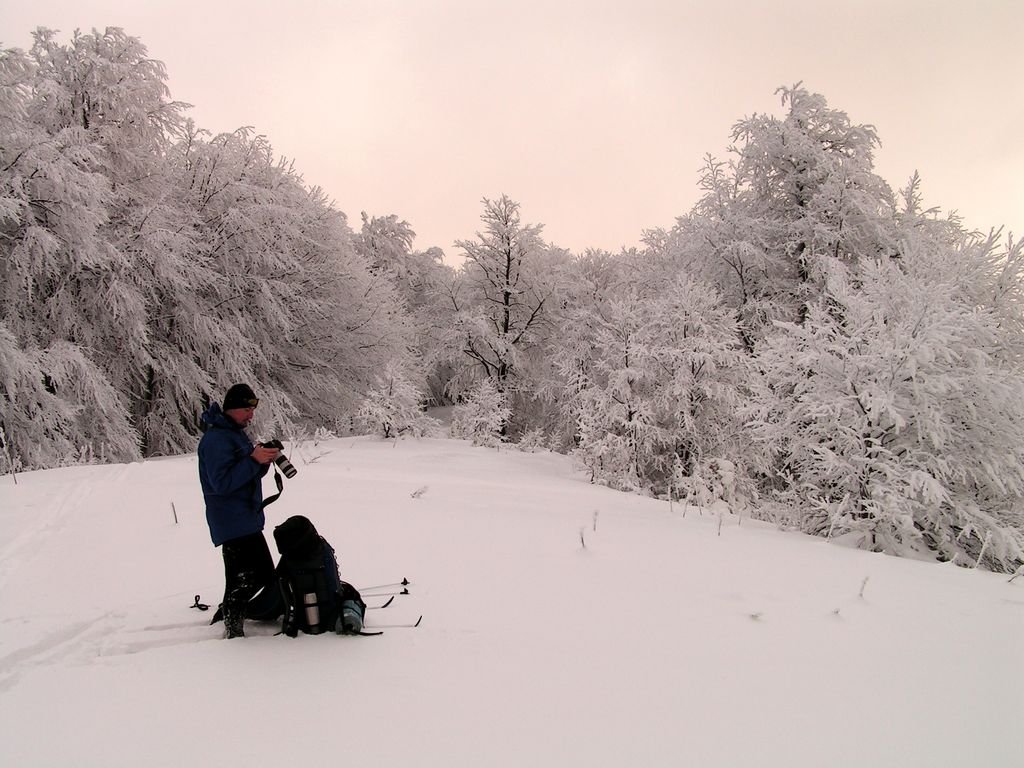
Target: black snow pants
<point x="248" y="568"/>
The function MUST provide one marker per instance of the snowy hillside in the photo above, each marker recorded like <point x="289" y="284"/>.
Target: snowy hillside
<point x="564" y="625"/>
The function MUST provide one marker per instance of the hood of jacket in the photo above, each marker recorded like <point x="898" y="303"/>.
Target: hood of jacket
<point x="215" y="417"/>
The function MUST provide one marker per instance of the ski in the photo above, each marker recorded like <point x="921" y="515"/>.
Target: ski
<point x="378" y="607"/>
<point x="399" y="626"/>
<point x="403" y="583"/>
<point x="383" y="594"/>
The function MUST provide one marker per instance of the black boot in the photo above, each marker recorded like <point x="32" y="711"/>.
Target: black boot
<point x="233" y="624"/>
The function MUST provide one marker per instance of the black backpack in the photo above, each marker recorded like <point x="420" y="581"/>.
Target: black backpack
<point x="315" y="598"/>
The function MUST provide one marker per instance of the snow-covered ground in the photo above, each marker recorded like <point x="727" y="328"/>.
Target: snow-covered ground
<point x="564" y="625"/>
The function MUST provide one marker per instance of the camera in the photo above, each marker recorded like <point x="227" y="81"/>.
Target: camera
<point x="282" y="461"/>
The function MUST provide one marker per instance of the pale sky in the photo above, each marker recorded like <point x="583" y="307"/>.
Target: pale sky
<point x="594" y="116"/>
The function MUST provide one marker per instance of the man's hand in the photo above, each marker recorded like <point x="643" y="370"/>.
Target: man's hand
<point x="263" y="455"/>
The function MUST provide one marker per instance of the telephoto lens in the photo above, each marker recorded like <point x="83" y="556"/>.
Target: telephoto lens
<point x="286" y="466"/>
<point x="282" y="461"/>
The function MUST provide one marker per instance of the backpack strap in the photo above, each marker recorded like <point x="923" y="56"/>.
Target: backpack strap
<point x="310" y="604"/>
<point x="289" y="624"/>
<point x="280" y="489"/>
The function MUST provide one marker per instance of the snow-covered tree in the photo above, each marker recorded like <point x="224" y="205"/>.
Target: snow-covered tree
<point x="620" y="439"/>
<point x="288" y="302"/>
<point x="395" y="406"/>
<point x="500" y="312"/>
<point x="666" y="382"/>
<point x="482" y="414"/>
<point x="897" y="417"/>
<point x="985" y="269"/>
<point x="81" y="149"/>
<point x="107" y="86"/>
<point x="146" y="266"/>
<point x="695" y="344"/>
<point x="422" y="279"/>
<point x="592" y="281"/>
<point x="35" y="423"/>
<point x="798" y="190"/>
<point x="502" y="292"/>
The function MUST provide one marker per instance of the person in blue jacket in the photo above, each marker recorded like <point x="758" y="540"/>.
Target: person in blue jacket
<point x="231" y="470"/>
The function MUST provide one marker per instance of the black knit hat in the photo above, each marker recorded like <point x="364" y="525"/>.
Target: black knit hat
<point x="240" y="396"/>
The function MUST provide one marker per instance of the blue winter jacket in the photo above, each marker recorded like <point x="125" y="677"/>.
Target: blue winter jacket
<point x="231" y="480"/>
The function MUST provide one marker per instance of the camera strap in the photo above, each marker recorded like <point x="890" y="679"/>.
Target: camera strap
<point x="280" y="487"/>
